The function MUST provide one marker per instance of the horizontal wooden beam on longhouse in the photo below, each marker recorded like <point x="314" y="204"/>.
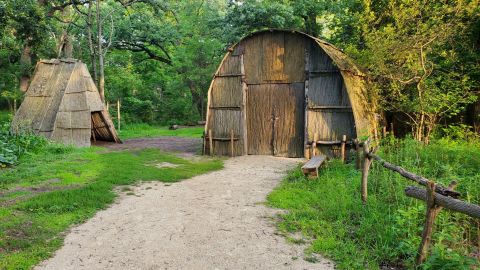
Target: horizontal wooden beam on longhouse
<point x="329" y="142"/>
<point x="232" y="108"/>
<point x="331" y="108"/>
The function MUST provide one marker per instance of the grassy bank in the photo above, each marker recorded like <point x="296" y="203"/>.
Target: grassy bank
<point x="144" y="130"/>
<point x="387" y="230"/>
<point x="57" y="187"/>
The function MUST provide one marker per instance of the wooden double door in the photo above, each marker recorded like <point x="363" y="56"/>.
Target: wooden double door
<point x="276" y="119"/>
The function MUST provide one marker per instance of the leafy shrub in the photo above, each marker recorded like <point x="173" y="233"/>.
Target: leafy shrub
<point x="459" y="132"/>
<point x="12" y="146"/>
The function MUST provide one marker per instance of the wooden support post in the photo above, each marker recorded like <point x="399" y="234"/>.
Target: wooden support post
<point x="432" y="212"/>
<point x="343" y="147"/>
<point x="358" y="156"/>
<point x="391" y="130"/>
<point x="204" y="150"/>
<point x="93" y="129"/>
<point x="384" y="132"/>
<point x="232" y="138"/>
<point x="367" y="161"/>
<point x="210" y="140"/>
<point x="314" y="144"/>
<point x="118" y="114"/>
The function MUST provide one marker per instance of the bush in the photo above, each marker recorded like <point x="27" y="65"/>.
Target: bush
<point x="12" y="146"/>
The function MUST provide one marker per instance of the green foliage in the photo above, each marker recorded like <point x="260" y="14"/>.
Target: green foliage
<point x="387" y="230"/>
<point x="460" y="132"/>
<point x="421" y="57"/>
<point x="12" y="147"/>
<point x="50" y="191"/>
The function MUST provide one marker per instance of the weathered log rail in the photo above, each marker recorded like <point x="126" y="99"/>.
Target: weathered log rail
<point x="435" y="195"/>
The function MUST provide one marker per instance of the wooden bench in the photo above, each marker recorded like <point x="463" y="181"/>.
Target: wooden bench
<point x="311" y="167"/>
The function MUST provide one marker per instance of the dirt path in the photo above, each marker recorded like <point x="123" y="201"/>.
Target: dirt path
<point x="212" y="221"/>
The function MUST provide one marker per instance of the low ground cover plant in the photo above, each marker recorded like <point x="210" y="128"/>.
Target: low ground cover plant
<point x="387" y="230"/>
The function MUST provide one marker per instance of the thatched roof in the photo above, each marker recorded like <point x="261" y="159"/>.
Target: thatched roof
<point x="343" y="62"/>
<point x="61" y="104"/>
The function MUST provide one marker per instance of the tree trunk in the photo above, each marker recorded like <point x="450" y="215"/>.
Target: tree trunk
<point x="26" y="62"/>
<point x="101" y="64"/>
<point x="91" y="46"/>
<point x="198" y="102"/>
<point x="476" y="117"/>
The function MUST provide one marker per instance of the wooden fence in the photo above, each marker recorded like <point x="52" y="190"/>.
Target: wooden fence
<point x="435" y="195"/>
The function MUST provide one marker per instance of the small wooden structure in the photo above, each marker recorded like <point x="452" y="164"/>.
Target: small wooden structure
<point x="62" y="103"/>
<point x="275" y="89"/>
<point x="311" y="167"/>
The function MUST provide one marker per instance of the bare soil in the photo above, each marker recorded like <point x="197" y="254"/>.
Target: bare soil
<point x="165" y="143"/>
<point x="212" y="221"/>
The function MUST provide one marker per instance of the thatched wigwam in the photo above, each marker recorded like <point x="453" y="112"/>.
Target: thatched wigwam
<point x="62" y="103"/>
<point x="276" y="89"/>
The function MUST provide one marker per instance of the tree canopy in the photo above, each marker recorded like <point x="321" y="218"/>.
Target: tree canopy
<point x="158" y="56"/>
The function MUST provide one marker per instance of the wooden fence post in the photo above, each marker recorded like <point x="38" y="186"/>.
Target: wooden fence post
<point x="343" y="147"/>
<point x="432" y="212"/>
<point x="314" y="144"/>
<point x="391" y="130"/>
<point x="118" y="114"/>
<point x="204" y="150"/>
<point x="384" y="132"/>
<point x="231" y="143"/>
<point x="367" y="161"/>
<point x="210" y="140"/>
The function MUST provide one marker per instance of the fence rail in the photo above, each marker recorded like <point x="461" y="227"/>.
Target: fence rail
<point x="435" y="195"/>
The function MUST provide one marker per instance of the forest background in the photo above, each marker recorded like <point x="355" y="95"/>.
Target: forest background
<point x="158" y="56"/>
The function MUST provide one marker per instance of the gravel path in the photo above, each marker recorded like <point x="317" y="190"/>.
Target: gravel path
<point x="212" y="221"/>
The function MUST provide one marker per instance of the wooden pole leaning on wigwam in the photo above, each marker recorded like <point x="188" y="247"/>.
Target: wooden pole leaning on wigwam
<point x="210" y="140"/>
<point x="232" y="138"/>
<point x="118" y="113"/>
<point x="343" y="148"/>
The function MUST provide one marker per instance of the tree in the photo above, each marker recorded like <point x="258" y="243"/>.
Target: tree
<point x="416" y="53"/>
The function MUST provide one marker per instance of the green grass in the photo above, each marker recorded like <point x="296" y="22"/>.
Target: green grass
<point x="145" y="130"/>
<point x="387" y="230"/>
<point x="76" y="183"/>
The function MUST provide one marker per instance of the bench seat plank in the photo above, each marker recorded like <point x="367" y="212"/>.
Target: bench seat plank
<point x="311" y="167"/>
